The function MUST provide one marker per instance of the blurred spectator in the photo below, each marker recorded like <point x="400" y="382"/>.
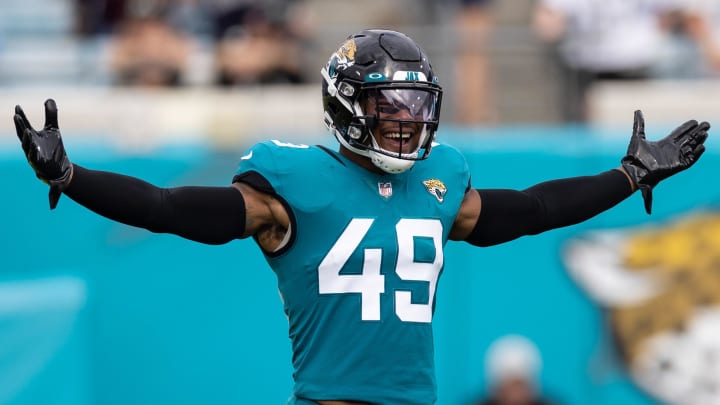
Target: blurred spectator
<point x="256" y="44"/>
<point x="100" y="17"/>
<point x="191" y="17"/>
<point x="474" y="23"/>
<point x="512" y="366"/>
<point x="147" y="50"/>
<point x="702" y="24"/>
<point x="95" y="17"/>
<point x="602" y="40"/>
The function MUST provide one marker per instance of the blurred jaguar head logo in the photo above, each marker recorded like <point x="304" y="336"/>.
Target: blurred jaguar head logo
<point x="661" y="288"/>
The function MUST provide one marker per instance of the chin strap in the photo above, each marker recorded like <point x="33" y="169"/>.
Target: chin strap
<point x="383" y="162"/>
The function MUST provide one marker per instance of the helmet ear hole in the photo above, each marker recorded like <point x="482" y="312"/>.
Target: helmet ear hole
<point x="354" y="132"/>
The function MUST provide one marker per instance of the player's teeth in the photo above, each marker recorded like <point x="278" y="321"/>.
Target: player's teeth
<point x="396" y="135"/>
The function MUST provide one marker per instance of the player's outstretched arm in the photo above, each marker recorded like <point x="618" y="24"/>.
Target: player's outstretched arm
<point x="647" y="163"/>
<point x="212" y="215"/>
<point x="492" y="216"/>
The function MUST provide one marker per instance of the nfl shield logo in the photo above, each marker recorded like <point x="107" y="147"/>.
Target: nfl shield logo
<point x="385" y="189"/>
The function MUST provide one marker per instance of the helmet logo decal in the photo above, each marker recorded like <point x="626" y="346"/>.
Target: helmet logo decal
<point x="343" y="58"/>
<point x="410" y="76"/>
<point x="375" y="77"/>
<point x="347" y="50"/>
<point x="385" y="189"/>
<point x="436" y="188"/>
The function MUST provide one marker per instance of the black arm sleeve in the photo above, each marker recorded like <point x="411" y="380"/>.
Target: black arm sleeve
<point x="509" y="214"/>
<point x="212" y="215"/>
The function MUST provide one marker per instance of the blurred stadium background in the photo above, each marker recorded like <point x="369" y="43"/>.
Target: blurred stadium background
<point x="92" y="312"/>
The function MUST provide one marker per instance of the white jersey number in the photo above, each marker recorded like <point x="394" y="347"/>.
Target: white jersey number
<point x="370" y="283"/>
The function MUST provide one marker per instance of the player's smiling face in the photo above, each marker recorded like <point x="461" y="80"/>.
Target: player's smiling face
<point x="397" y="129"/>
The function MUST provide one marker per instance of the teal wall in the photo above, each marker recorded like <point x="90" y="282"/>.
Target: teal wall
<point x="155" y="319"/>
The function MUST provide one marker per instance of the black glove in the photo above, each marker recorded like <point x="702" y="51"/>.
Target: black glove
<point x="648" y="163"/>
<point x="45" y="151"/>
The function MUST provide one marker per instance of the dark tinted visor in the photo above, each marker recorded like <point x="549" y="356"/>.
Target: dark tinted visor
<point x="420" y="104"/>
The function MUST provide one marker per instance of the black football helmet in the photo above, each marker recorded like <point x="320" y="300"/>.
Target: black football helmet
<point x="392" y="69"/>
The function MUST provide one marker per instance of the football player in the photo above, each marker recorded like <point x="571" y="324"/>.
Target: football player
<point x="356" y="235"/>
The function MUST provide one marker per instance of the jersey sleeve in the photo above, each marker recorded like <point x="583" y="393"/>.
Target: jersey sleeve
<point x="455" y="162"/>
<point x="274" y="166"/>
<point x="259" y="169"/>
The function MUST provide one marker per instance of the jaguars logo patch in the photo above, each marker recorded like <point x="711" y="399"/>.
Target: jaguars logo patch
<point x="343" y="58"/>
<point x="436" y="188"/>
<point x="660" y="287"/>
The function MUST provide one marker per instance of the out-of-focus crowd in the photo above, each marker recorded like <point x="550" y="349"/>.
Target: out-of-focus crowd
<point x="254" y="42"/>
<point x="234" y="43"/>
<point x="621" y="40"/>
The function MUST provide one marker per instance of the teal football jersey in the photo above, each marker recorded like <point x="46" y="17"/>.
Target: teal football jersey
<point x="359" y="274"/>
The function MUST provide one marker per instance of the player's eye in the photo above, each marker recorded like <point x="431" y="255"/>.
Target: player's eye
<point x="387" y="108"/>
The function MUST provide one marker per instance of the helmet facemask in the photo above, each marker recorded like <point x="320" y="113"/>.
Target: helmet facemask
<point x="394" y="124"/>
